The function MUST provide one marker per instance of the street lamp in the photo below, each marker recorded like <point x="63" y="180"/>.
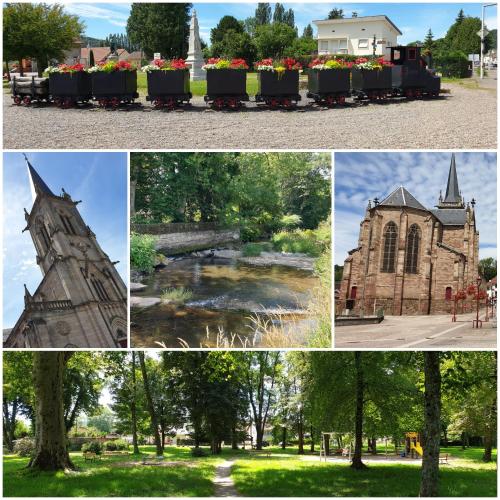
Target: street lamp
<point x="477" y="320"/>
<point x="483" y="34"/>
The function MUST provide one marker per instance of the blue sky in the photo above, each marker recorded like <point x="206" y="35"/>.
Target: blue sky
<point x="413" y="19"/>
<point x="98" y="179"/>
<point x="360" y="177"/>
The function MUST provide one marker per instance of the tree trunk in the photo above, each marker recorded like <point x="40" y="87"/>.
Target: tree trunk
<point x="21" y="69"/>
<point x="7" y="71"/>
<point x="374" y="445"/>
<point x="429" y="484"/>
<point x="259" y="438"/>
<point x="133" y="407"/>
<point x="327" y="445"/>
<point x="312" y="439"/>
<point x="9" y="424"/>
<point x="357" y="463"/>
<point x="151" y="408"/>
<point x="300" y="431"/>
<point x="133" y="183"/>
<point x="283" y="438"/>
<point x="234" y="439"/>
<point x="488" y="445"/>
<point x="51" y="451"/>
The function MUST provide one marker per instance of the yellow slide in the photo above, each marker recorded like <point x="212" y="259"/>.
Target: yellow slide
<point x="417" y="448"/>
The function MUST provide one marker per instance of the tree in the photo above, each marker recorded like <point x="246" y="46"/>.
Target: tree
<point x="160" y="27"/>
<point x="488" y="268"/>
<point x="279" y="12"/>
<point x="262" y="14"/>
<point x="150" y="404"/>
<point x="39" y="31"/>
<point x="429" y="41"/>
<point x="271" y="40"/>
<point x="51" y="452"/>
<point x="354" y="14"/>
<point x="460" y="17"/>
<point x="227" y="23"/>
<point x="429" y="484"/>
<point x="235" y="45"/>
<point x="336" y="13"/>
<point x="357" y="463"/>
<point x="289" y="18"/>
<point x="261" y="369"/>
<point x="308" y="32"/>
<point x="103" y="420"/>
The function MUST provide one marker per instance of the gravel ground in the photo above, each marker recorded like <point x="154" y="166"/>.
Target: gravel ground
<point x="463" y="119"/>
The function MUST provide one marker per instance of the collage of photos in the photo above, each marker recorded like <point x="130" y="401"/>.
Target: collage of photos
<point x="249" y="249"/>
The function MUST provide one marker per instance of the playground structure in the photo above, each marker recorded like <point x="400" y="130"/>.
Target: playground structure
<point x="413" y="448"/>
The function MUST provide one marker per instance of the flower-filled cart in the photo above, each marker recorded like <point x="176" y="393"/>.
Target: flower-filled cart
<point x="329" y="81"/>
<point x="226" y="82"/>
<point x="278" y="82"/>
<point x="168" y="83"/>
<point x="371" y="78"/>
<point x="28" y="89"/>
<point x="69" y="85"/>
<point x="114" y="83"/>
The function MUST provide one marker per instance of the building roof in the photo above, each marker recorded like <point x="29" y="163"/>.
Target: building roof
<point x="346" y="20"/>
<point x="401" y="197"/>
<point x="450" y="216"/>
<point x="38" y="183"/>
<point x="452" y="191"/>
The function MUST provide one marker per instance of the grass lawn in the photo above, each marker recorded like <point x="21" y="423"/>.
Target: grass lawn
<point x="291" y="476"/>
<point x="115" y="476"/>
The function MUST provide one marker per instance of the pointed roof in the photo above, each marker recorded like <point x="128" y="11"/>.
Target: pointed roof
<point x="452" y="191"/>
<point x="400" y="197"/>
<point x="38" y="183"/>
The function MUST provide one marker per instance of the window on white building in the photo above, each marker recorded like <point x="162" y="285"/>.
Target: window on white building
<point x="323" y="45"/>
<point x="339" y="46"/>
<point x="363" y="43"/>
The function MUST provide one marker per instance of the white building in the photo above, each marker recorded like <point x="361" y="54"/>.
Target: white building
<point x="355" y="35"/>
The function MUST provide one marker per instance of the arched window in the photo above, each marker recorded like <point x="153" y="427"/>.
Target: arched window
<point x="389" y="257"/>
<point x="44" y="237"/>
<point x="412" y="246"/>
<point x="448" y="293"/>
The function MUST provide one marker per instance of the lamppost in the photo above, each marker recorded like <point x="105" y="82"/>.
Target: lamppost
<point x="477" y="321"/>
<point x="483" y="34"/>
<point x="374" y="45"/>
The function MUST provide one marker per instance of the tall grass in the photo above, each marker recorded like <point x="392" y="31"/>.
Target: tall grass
<point x="178" y="295"/>
<point x="142" y="252"/>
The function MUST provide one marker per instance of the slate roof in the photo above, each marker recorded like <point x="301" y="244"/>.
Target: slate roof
<point x="450" y="216"/>
<point x="38" y="182"/>
<point x="400" y="197"/>
<point x="452" y="191"/>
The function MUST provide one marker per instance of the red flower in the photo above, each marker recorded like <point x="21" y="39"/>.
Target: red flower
<point x="239" y="64"/>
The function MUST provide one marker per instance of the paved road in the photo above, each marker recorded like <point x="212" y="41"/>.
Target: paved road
<point x="416" y="332"/>
<point x="464" y="119"/>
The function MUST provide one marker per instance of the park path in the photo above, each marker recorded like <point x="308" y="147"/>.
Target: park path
<point x="224" y="484"/>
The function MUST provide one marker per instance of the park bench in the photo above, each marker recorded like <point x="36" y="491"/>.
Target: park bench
<point x="90" y="455"/>
<point x="443" y="458"/>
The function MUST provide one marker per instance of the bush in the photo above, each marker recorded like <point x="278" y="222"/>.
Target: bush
<point x="298" y="241"/>
<point x="116" y="445"/>
<point x="255" y="249"/>
<point x="179" y="294"/>
<point x="198" y="452"/>
<point x="24" y="447"/>
<point x="142" y="252"/>
<point x="93" y="446"/>
<point x="452" y="64"/>
<point x="291" y="221"/>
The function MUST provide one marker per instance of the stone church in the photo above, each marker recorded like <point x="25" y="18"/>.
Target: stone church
<point x="82" y="300"/>
<point x="411" y="259"/>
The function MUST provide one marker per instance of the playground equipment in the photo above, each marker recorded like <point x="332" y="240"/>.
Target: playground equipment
<point x="325" y="447"/>
<point x="413" y="448"/>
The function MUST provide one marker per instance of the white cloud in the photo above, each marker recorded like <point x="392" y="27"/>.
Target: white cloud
<point x="94" y="12"/>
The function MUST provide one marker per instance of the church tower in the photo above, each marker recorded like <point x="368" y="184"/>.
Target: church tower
<point x="82" y="300"/>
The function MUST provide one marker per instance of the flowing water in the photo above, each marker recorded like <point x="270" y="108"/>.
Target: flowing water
<point x="226" y="295"/>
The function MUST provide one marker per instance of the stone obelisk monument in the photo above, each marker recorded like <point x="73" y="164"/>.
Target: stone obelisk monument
<point x="195" y="56"/>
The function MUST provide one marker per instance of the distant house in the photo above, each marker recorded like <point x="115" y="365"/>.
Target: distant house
<point x="100" y="54"/>
<point x="355" y="35"/>
<point x="72" y="56"/>
<point x="136" y="58"/>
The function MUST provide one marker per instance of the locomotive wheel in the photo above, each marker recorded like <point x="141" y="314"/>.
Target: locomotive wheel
<point x="285" y="102"/>
<point x="273" y="102"/>
<point x="102" y="103"/>
<point x="341" y="99"/>
<point x="218" y="103"/>
<point x="157" y="104"/>
<point x="233" y="103"/>
<point x="330" y="100"/>
<point x="27" y="100"/>
<point x="115" y="102"/>
<point x="67" y="103"/>
<point x="171" y="103"/>
<point x="17" y="100"/>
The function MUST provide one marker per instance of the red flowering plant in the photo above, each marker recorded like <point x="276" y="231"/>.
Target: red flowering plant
<point x="223" y="63"/>
<point x="279" y="65"/>
<point x="166" y="65"/>
<point x="323" y="63"/>
<point x="65" y="68"/>
<point x="112" y="66"/>
<point x="374" y="63"/>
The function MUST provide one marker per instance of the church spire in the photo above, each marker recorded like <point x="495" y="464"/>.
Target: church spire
<point x="453" y="197"/>
<point x="37" y="183"/>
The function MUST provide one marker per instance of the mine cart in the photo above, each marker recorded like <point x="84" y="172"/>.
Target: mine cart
<point x="28" y="89"/>
<point x="329" y="86"/>
<point x="226" y="88"/>
<point x="372" y="83"/>
<point x="278" y="88"/>
<point x="168" y="88"/>
<point x="68" y="89"/>
<point x="115" y="88"/>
